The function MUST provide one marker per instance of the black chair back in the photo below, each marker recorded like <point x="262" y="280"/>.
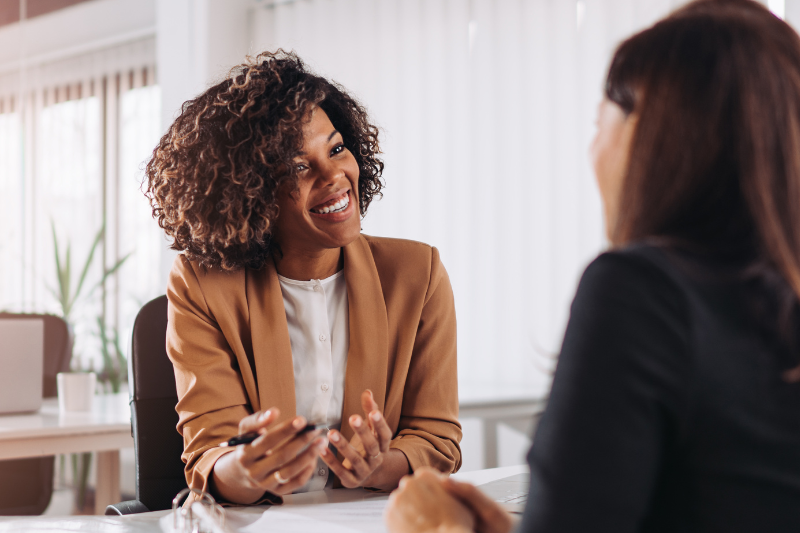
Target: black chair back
<point x="159" y="468"/>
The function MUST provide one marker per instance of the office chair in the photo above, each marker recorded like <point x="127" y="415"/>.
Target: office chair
<point x="158" y="445"/>
<point x="27" y="484"/>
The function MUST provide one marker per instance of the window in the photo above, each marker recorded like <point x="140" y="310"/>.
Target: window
<point x="73" y="140"/>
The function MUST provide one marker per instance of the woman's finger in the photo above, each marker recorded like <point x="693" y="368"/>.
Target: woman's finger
<point x="490" y="516"/>
<point x="273" y="437"/>
<point x="285" y="454"/>
<point x="294" y="483"/>
<point x="371" y="446"/>
<point x="297" y="468"/>
<point x="258" y="420"/>
<point x="358" y="464"/>
<point x="346" y="476"/>
<point x="368" y="403"/>
<point x="381" y="429"/>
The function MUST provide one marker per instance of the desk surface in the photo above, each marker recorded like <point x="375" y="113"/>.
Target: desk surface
<point x="49" y="432"/>
<point x="242" y="519"/>
<point x="109" y="412"/>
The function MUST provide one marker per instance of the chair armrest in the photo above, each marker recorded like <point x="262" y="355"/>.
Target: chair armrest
<point x="127" y="507"/>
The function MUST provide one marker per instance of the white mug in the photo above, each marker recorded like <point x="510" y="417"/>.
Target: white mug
<point x="75" y="391"/>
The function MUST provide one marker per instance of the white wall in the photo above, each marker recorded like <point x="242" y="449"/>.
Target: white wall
<point x="74" y="30"/>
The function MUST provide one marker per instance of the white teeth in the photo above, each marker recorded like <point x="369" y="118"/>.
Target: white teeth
<point x="340" y="205"/>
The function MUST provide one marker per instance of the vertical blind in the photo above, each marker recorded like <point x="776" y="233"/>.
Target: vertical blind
<point x="73" y="133"/>
<point x="487" y="110"/>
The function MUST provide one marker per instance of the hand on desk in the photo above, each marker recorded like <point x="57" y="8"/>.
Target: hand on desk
<point x="429" y="501"/>
<point x="368" y="460"/>
<point x="279" y="461"/>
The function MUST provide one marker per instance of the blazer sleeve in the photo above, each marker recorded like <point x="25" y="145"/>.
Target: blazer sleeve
<point x="429" y="432"/>
<point x="211" y="394"/>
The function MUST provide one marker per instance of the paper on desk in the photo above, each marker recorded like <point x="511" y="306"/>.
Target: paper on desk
<point x="348" y="517"/>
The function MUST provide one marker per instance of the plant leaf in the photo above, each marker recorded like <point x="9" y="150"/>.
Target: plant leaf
<point x="110" y="272"/>
<point x="88" y="263"/>
<point x="61" y="296"/>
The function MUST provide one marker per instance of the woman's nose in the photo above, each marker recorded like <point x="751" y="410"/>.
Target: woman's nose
<point x="330" y="172"/>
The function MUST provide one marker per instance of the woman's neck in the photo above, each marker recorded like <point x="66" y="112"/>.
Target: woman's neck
<point x="303" y="265"/>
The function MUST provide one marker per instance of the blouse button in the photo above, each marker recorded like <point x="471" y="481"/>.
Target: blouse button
<point x="322" y="472"/>
<point x="322" y="336"/>
<point x="317" y="288"/>
<point x="324" y="387"/>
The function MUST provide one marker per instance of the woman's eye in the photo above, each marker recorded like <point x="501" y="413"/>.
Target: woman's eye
<point x="300" y="167"/>
<point x="338" y="149"/>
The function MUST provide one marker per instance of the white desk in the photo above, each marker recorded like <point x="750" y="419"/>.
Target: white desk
<point x="241" y="518"/>
<point x="515" y="407"/>
<point x="105" y="430"/>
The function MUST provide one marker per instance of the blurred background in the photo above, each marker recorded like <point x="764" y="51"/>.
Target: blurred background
<point x="486" y="108"/>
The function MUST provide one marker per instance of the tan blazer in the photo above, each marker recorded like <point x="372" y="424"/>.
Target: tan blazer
<point x="229" y="343"/>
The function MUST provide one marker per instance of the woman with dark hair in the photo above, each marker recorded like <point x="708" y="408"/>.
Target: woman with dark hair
<point x="281" y="313"/>
<point x="675" y="404"/>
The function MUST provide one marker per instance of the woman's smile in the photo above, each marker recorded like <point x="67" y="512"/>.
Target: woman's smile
<point x="335" y="208"/>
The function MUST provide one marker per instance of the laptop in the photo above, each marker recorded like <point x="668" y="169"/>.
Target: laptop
<point x="510" y="492"/>
<point x="21" y="364"/>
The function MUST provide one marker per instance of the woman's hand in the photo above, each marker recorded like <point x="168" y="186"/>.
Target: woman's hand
<point x="368" y="461"/>
<point x="489" y="516"/>
<point x="422" y="504"/>
<point x="429" y="501"/>
<point x="279" y="461"/>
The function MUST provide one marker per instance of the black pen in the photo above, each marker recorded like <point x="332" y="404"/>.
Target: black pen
<point x="247" y="438"/>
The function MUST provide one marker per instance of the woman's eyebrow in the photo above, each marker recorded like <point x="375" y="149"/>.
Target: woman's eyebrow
<point x="334" y="132"/>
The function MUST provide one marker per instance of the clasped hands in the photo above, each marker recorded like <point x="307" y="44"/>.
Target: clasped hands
<point x="283" y="458"/>
<point x="430" y="501"/>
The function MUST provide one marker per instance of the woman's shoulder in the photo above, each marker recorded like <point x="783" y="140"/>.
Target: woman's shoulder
<point x="641" y="273"/>
<point x="193" y="275"/>
<point x="406" y="261"/>
<point x="401" y="253"/>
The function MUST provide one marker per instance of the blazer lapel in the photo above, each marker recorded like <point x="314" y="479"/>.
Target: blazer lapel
<point x="272" y="349"/>
<point x="367" y="357"/>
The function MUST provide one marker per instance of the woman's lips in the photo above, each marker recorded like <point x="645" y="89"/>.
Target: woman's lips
<point x="338" y="202"/>
<point x="345" y="210"/>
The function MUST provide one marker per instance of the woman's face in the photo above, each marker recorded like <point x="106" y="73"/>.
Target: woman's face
<point x="323" y="213"/>
<point x="610" y="152"/>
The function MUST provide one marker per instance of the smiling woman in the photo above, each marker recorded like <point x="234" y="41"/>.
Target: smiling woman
<point x="281" y="313"/>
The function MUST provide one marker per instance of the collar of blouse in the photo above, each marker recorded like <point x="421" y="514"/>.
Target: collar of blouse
<point x="367" y="357"/>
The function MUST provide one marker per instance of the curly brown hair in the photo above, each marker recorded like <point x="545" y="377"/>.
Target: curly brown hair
<point x="213" y="178"/>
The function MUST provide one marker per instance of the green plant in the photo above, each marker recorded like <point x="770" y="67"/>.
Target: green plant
<point x="64" y="294"/>
<point x="67" y="297"/>
<point x="115" y="367"/>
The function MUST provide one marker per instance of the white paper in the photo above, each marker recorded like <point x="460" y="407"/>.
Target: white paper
<point x="348" y="517"/>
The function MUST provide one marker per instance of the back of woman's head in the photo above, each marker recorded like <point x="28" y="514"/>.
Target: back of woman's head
<point x="715" y="158"/>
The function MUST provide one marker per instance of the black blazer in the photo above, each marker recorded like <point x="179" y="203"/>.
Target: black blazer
<point x="668" y="412"/>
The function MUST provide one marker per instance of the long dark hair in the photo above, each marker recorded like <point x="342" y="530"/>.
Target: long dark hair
<point x="715" y="158"/>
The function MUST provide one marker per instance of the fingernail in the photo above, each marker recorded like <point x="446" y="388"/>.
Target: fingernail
<point x="323" y="451"/>
<point x="323" y="445"/>
<point x="265" y="415"/>
<point x="355" y="421"/>
<point x="376" y="416"/>
<point x="333" y="436"/>
<point x="370" y="393"/>
<point x="299" y="422"/>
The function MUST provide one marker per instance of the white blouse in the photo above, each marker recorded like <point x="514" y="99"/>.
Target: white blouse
<point x="318" y="319"/>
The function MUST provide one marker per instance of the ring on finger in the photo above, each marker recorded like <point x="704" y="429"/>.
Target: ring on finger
<point x="279" y="478"/>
